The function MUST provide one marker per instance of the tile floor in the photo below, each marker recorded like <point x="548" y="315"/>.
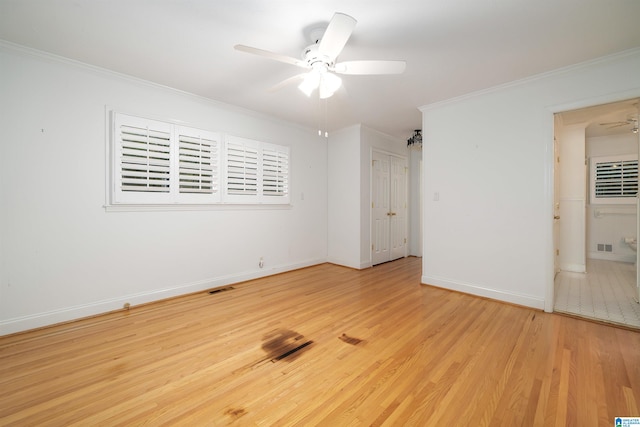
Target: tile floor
<point x="606" y="292"/>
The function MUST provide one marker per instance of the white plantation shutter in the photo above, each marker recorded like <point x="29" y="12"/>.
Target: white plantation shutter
<point x="198" y="165"/>
<point x="614" y="179"/>
<point x="275" y="171"/>
<point x="242" y="167"/>
<point x="143" y="159"/>
<point x="256" y="172"/>
<point x="159" y="163"/>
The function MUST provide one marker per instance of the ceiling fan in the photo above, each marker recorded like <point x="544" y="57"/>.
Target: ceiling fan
<point x="320" y="58"/>
<point x="611" y="125"/>
<point x="629" y="121"/>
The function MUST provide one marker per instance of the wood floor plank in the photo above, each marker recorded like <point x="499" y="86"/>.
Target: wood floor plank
<point x="372" y="347"/>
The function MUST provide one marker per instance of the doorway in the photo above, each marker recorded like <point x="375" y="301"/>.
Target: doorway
<point x="596" y="212"/>
<point x="388" y="207"/>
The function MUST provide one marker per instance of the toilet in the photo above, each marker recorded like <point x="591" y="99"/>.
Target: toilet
<point x="632" y="242"/>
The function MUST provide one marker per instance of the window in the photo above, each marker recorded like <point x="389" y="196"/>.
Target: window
<point x="161" y="163"/>
<point x="197" y="164"/>
<point x="614" y="180"/>
<point x="256" y="171"/>
<point x="242" y="167"/>
<point x="275" y="171"/>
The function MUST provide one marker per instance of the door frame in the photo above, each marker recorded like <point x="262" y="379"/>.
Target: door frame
<point x="550" y="179"/>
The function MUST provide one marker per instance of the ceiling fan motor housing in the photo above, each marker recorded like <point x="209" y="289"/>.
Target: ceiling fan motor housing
<point x="312" y="55"/>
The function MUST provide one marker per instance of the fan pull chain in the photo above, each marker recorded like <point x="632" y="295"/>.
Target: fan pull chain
<point x="326" y="133"/>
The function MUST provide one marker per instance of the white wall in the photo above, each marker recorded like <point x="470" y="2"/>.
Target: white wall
<point x="610" y="224"/>
<point x="344" y="182"/>
<point x="415" y="199"/>
<point x="489" y="156"/>
<point x="62" y="256"/>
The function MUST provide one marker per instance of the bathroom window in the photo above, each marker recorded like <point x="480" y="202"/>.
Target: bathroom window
<point x="614" y="179"/>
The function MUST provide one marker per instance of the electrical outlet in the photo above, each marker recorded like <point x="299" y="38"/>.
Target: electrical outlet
<point x="261" y="263"/>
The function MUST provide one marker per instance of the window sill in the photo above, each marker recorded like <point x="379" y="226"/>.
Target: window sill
<point x="195" y="207"/>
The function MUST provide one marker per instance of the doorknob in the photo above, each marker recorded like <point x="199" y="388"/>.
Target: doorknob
<point x="556" y="217"/>
<point x="391" y="213"/>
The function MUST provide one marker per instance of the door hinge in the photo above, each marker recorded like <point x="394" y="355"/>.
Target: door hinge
<point x="557" y="251"/>
<point x="405" y="240"/>
<point x="372" y="247"/>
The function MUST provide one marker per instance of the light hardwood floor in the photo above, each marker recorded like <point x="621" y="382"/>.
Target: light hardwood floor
<point x="375" y="348"/>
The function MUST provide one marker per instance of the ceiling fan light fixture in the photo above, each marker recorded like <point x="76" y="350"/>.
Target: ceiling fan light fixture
<point x="329" y="84"/>
<point x="318" y="78"/>
<point x="310" y="83"/>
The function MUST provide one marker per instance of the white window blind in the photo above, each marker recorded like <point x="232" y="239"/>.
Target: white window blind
<point x="145" y="159"/>
<point x="614" y="179"/>
<point x="242" y="167"/>
<point x="256" y="172"/>
<point x="142" y="160"/>
<point x="275" y="171"/>
<point x="160" y="163"/>
<point x="198" y="165"/>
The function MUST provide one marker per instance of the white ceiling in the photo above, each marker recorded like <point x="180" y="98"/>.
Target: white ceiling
<point x="452" y="47"/>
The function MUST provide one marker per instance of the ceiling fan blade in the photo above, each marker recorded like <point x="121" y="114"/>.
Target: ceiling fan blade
<point x="370" y="67"/>
<point x="618" y="125"/>
<point x="291" y="80"/>
<point x="336" y="35"/>
<point x="613" y="123"/>
<point x="271" y="55"/>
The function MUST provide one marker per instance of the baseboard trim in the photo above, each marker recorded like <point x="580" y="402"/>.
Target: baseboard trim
<point x="574" y="268"/>
<point x="344" y="263"/>
<point x="77" y="312"/>
<point x="612" y="257"/>
<point x="365" y="265"/>
<point x="474" y="289"/>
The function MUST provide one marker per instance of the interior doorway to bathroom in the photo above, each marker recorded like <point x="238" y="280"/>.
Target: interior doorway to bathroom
<point x="596" y="212"/>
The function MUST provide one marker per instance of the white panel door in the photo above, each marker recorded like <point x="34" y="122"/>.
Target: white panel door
<point x="388" y="208"/>
<point x="398" y="207"/>
<point x="380" y="218"/>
